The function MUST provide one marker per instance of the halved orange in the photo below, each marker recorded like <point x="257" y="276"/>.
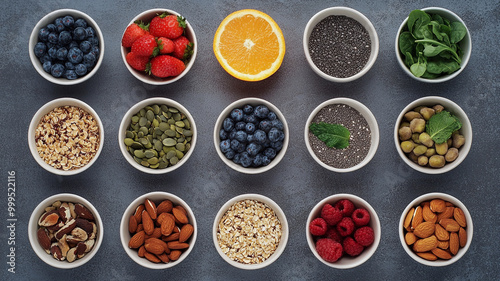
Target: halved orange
<point x="249" y="45"/>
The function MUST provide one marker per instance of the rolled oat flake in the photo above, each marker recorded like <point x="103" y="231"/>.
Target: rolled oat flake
<point x="339" y="46"/>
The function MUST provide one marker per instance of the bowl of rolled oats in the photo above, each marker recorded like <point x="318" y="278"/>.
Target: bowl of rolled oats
<point x="65" y="136"/>
<point x="250" y="231"/>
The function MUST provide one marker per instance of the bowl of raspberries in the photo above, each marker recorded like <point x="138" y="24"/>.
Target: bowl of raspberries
<point x="159" y="46"/>
<point x="343" y="231"/>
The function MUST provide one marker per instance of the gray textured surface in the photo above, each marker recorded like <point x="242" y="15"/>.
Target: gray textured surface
<point x="296" y="184"/>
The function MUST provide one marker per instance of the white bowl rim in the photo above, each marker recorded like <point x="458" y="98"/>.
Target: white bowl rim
<point x="46" y="108"/>
<point x="218" y="125"/>
<point x="34" y="39"/>
<point x="359" y="17"/>
<point x="446" y="197"/>
<point x="277" y="210"/>
<point x="366" y="113"/>
<point x="126" y="121"/>
<point x="33" y="227"/>
<point x="125" y="235"/>
<point x="162" y="81"/>
<point x="465" y="57"/>
<point x="457" y="111"/>
<point x="368" y="252"/>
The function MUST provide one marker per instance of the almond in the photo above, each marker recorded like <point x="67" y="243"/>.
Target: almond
<point x="454" y="243"/>
<point x="164" y="258"/>
<point x="141" y="251"/>
<point x="132" y="224"/>
<point x="459" y="216"/>
<point x="447" y="214"/>
<point x="426" y="244"/>
<point x="442" y="254"/>
<point x="428" y="256"/>
<point x="151" y="208"/>
<point x="171" y="237"/>
<point x="186" y="232"/>
<point x="417" y="217"/>
<point x="156" y="233"/>
<point x="147" y="223"/>
<point x="410" y="238"/>
<point x="152" y="258"/>
<point x="408" y="218"/>
<point x="450" y="225"/>
<point x="174" y="255"/>
<point x="180" y="215"/>
<point x="159" y="242"/>
<point x="441" y="233"/>
<point x="176" y="245"/>
<point x="140" y="228"/>
<point x="167" y="226"/>
<point x="443" y="244"/>
<point x="160" y="218"/>
<point x="424" y="229"/>
<point x="428" y="215"/>
<point x="438" y="205"/>
<point x="462" y="237"/>
<point x="164" y="207"/>
<point x="153" y="247"/>
<point x="138" y="213"/>
<point x="179" y="207"/>
<point x="137" y="240"/>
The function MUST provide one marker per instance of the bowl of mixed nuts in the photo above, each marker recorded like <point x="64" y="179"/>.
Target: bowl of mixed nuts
<point x="433" y="135"/>
<point x="436" y="229"/>
<point x="250" y="231"/>
<point x="66" y="136"/>
<point x="65" y="230"/>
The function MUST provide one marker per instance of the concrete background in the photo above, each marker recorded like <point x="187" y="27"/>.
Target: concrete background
<point x="296" y="184"/>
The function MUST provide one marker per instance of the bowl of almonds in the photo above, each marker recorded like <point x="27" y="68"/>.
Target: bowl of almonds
<point x="65" y="230"/>
<point x="158" y="230"/>
<point x="436" y="229"/>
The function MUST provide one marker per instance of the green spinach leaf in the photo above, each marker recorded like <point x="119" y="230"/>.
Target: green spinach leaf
<point x="418" y="69"/>
<point x="458" y="32"/>
<point x="406" y="42"/>
<point x="333" y="135"/>
<point x="416" y="20"/>
<point x="441" y="125"/>
<point x="441" y="66"/>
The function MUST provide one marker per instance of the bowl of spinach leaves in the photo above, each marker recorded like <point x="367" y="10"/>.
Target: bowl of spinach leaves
<point x="433" y="45"/>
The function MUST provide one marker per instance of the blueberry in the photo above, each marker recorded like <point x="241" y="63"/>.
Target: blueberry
<point x="45" y="58"/>
<point x="52" y="52"/>
<point x="222" y="133"/>
<point x="62" y="53"/>
<point x="232" y="134"/>
<point x="253" y="148"/>
<point x="59" y="24"/>
<point x="270" y="153"/>
<point x="228" y="124"/>
<point x="250" y="118"/>
<point x="265" y="160"/>
<point x="40" y="49"/>
<point x="237" y="114"/>
<point x="278" y="145"/>
<point x="73" y="44"/>
<point x="240" y="126"/>
<point x="57" y="70"/>
<point x="265" y="125"/>
<point x="69" y="65"/>
<point x="95" y="50"/>
<point x="235" y="144"/>
<point x="247" y="109"/>
<point x="277" y="124"/>
<point x="47" y="66"/>
<point x="272" y="116"/>
<point x="257" y="160"/>
<point x="65" y="38"/>
<point x="43" y="34"/>
<point x="85" y="46"/>
<point x="68" y="21"/>
<point x="261" y="111"/>
<point x="51" y="27"/>
<point x="250" y="128"/>
<point x="245" y="159"/>
<point x="80" y="69"/>
<point x="93" y="40"/>
<point x="80" y="23"/>
<point x="79" y="34"/>
<point x="89" y="60"/>
<point x="260" y="136"/>
<point x="75" y="55"/>
<point x="274" y="135"/>
<point x="241" y="136"/>
<point x="90" y="31"/>
<point x="250" y="138"/>
<point x="225" y="146"/>
<point x="70" y="74"/>
<point x="230" y="154"/>
<point x="53" y="38"/>
<point x="236" y="158"/>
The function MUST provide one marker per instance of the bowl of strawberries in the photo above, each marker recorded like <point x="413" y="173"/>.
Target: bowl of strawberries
<point x="159" y="46"/>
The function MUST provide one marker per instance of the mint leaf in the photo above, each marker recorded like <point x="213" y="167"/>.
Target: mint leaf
<point x="333" y="135"/>
<point x="441" y="125"/>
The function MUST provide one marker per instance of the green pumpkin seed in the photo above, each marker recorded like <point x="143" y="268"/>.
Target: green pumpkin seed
<point x="135" y="127"/>
<point x="188" y="146"/>
<point x="177" y="116"/>
<point x="143" y="141"/>
<point x="153" y="161"/>
<point x="179" y="154"/>
<point x="139" y="153"/>
<point x="158" y="146"/>
<point x="179" y="124"/>
<point x="136" y="145"/>
<point x="179" y="130"/>
<point x="142" y="112"/>
<point x="164" y="126"/>
<point x="150" y="153"/>
<point x="162" y="165"/>
<point x="173" y="110"/>
<point x="171" y="154"/>
<point x="135" y="119"/>
<point x="129" y="134"/>
<point x="187" y="123"/>
<point x="169" y="142"/>
<point x="180" y="146"/>
<point x="187" y="133"/>
<point x="145" y="163"/>
<point x="170" y="133"/>
<point x="164" y="108"/>
<point x="128" y="141"/>
<point x="171" y="121"/>
<point x="155" y="123"/>
<point x="138" y="160"/>
<point x="174" y="160"/>
<point x="143" y="121"/>
<point x="156" y="109"/>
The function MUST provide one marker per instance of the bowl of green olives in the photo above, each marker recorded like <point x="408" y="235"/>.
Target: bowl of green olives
<point x="433" y="135"/>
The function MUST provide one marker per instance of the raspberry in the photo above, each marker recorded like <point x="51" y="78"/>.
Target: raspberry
<point x="318" y="227"/>
<point x="329" y="250"/>
<point x="345" y="227"/>
<point x="361" y="217"/>
<point x="333" y="234"/>
<point x="331" y="214"/>
<point x="364" y="236"/>
<point x="345" y="206"/>
<point x="351" y="247"/>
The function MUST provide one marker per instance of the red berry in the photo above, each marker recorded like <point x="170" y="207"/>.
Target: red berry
<point x="333" y="234"/>
<point x="361" y="217"/>
<point x="144" y="45"/>
<point x="318" y="227"/>
<point x="345" y="206"/>
<point x="165" y="45"/>
<point x="137" y="62"/>
<point x="345" y="227"/>
<point x="351" y="247"/>
<point x="165" y="66"/>
<point x="169" y="26"/>
<point x="183" y="48"/>
<point x="331" y="214"/>
<point x="329" y="250"/>
<point x="364" y="236"/>
<point x="133" y="32"/>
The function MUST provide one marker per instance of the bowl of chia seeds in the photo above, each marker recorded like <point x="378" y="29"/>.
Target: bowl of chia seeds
<point x="342" y="135"/>
<point x="340" y="44"/>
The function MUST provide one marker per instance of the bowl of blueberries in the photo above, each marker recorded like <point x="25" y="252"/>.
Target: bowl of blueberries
<point x="66" y="47"/>
<point x="251" y="135"/>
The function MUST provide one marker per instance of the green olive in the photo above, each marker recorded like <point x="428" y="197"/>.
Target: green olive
<point x="441" y="148"/>
<point x="436" y="161"/>
<point x="417" y="125"/>
<point x="451" y="155"/>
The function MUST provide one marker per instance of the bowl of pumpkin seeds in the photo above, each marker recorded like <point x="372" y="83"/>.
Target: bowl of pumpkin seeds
<point x="157" y="135"/>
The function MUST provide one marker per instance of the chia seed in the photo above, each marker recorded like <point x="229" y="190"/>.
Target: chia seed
<point x="339" y="46"/>
<point x="359" y="141"/>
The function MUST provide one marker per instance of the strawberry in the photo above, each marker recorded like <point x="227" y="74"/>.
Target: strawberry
<point x="169" y="26"/>
<point x="164" y="66"/>
<point x="133" y="32"/>
<point x="165" y="45"/>
<point x="145" y="46"/>
<point x="137" y="62"/>
<point x="183" y="49"/>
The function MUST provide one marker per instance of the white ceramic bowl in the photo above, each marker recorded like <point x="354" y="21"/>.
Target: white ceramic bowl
<point x="372" y="123"/>
<point x="465" y="45"/>
<point x="351" y="13"/>
<point x="279" y="213"/>
<point x="125" y="123"/>
<point x="46" y="109"/>
<point x="49" y="18"/>
<point x="466" y="131"/>
<point x="239" y="104"/>
<point x="146" y="17"/>
<point x="346" y="261"/>
<point x="428" y="197"/>
<point x="156" y="197"/>
<point x="33" y="228"/>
